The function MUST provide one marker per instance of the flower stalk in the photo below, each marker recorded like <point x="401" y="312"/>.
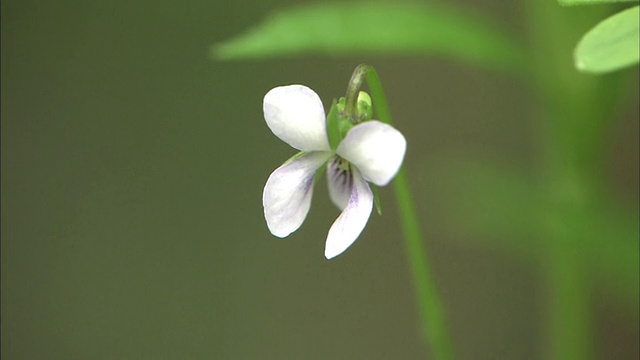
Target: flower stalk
<point x="353" y="89"/>
<point x="359" y="153"/>
<point x="432" y="316"/>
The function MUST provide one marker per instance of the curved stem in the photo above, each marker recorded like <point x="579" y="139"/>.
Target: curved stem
<point x="355" y="84"/>
<point x="432" y="318"/>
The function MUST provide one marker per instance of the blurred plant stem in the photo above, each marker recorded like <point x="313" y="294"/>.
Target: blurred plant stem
<point x="432" y="317"/>
<point x="577" y="108"/>
<point x="434" y="325"/>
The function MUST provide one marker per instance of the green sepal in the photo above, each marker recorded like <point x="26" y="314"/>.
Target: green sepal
<point x="376" y="199"/>
<point x="337" y="124"/>
<point x="333" y="129"/>
<point x="296" y="156"/>
<point x="344" y="123"/>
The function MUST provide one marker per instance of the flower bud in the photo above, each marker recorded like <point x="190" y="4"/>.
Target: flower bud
<point x="365" y="108"/>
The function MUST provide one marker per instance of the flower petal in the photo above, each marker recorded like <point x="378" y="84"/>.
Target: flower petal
<point x="294" y="113"/>
<point x="348" y="226"/>
<point x="287" y="195"/>
<point x="376" y="149"/>
<point x="340" y="181"/>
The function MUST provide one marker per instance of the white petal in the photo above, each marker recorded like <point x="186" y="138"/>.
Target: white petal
<point x="287" y="195"/>
<point x="348" y="226"/>
<point x="295" y="114"/>
<point x="340" y="181"/>
<point x="376" y="149"/>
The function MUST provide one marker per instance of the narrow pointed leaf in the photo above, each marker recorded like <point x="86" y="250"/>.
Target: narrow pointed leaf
<point x="610" y="45"/>
<point x="592" y="2"/>
<point x="341" y="29"/>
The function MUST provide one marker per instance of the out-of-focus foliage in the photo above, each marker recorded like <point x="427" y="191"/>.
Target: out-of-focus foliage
<point x="511" y="211"/>
<point x="610" y="45"/>
<point x="591" y="2"/>
<point x="377" y="28"/>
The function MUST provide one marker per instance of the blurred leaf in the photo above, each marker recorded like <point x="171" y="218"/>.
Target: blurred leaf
<point x="591" y="2"/>
<point x="497" y="206"/>
<point x="615" y="253"/>
<point x="505" y="208"/>
<point x="376" y="28"/>
<point x="610" y="45"/>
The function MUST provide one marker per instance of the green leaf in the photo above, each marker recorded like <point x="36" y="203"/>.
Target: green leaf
<point x="610" y="45"/>
<point x="498" y="205"/>
<point x="505" y="209"/>
<point x="342" y="29"/>
<point x="592" y="2"/>
<point x="333" y="130"/>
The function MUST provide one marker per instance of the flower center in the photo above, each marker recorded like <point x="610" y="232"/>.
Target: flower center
<point x="342" y="172"/>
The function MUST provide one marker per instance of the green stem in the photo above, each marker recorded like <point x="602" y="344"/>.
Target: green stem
<point x="571" y="139"/>
<point x="355" y="84"/>
<point x="571" y="327"/>
<point x="432" y="317"/>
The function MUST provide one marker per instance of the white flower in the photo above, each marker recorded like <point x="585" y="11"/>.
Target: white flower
<point x="371" y="151"/>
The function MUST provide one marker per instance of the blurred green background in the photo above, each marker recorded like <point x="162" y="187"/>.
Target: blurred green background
<point x="132" y="173"/>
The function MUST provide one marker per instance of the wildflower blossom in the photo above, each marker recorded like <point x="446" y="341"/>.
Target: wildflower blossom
<point x="371" y="151"/>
